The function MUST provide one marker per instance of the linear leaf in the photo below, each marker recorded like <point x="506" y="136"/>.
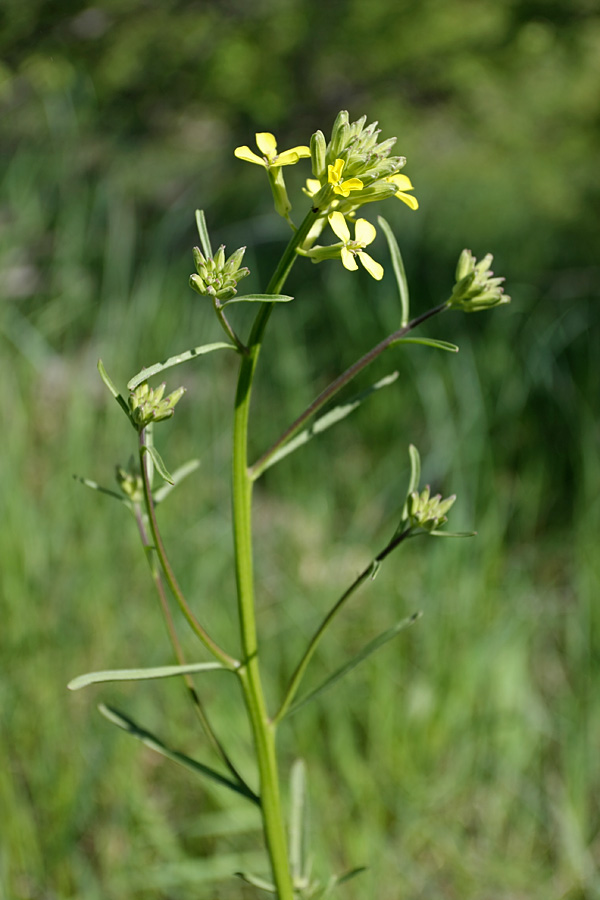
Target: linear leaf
<point x="427" y="342"/>
<point x="109" y="384"/>
<point x="258" y="298"/>
<point x="453" y="534"/>
<point x="148" y="372"/>
<point x="257" y="882"/>
<point x="97" y="487"/>
<point x="330" y="418"/>
<point x="398" y="267"/>
<point x="158" y="462"/>
<point x="203" y="233"/>
<point x="151" y="741"/>
<point x="140" y="674"/>
<point x="366" y="651"/>
<point x="177" y="476"/>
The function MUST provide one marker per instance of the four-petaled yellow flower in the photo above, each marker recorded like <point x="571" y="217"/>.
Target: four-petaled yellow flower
<point x="267" y="145"/>
<point x="403" y="183"/>
<point x="334" y="177"/>
<point x="364" y="234"/>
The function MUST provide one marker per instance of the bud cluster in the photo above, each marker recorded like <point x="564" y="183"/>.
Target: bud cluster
<point x="217" y="277"/>
<point x="356" y="145"/>
<point x="427" y="512"/>
<point x="130" y="483"/>
<point x="148" y="405"/>
<point x="476" y="288"/>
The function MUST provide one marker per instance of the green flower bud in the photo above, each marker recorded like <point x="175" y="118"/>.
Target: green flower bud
<point x="428" y="512"/>
<point x="218" y="277"/>
<point x="147" y="404"/>
<point x="339" y="136"/>
<point x="476" y="288"/>
<point x="318" y="151"/>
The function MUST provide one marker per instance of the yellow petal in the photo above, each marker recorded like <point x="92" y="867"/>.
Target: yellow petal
<point x="348" y="260"/>
<point x="364" y="232"/>
<point x="402" y="182"/>
<point x="248" y="155"/>
<point x="408" y="199"/>
<point x="334" y="173"/>
<point x="353" y="184"/>
<point x="372" y="267"/>
<point x="339" y="227"/>
<point x="313" y="186"/>
<point x="266" y="143"/>
<point x="289" y="157"/>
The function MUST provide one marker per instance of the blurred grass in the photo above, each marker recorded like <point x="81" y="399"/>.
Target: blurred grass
<point x="462" y="762"/>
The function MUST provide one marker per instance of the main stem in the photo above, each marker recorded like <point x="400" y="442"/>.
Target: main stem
<point x="263" y="729"/>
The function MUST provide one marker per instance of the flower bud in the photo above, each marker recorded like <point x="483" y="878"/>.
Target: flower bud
<point x="318" y="151"/>
<point x="130" y="483"/>
<point x="428" y="512"/>
<point x="147" y="405"/>
<point x="218" y="277"/>
<point x="476" y="288"/>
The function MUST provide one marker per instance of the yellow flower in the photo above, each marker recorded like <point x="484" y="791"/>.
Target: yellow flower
<point x="267" y="145"/>
<point x="364" y="234"/>
<point x="334" y="177"/>
<point x="403" y="183"/>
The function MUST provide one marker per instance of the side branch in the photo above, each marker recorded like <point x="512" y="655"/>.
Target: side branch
<point x="203" y="635"/>
<point x="370" y="570"/>
<point x="341" y="381"/>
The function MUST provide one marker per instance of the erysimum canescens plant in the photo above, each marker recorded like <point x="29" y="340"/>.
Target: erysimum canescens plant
<point x="351" y="170"/>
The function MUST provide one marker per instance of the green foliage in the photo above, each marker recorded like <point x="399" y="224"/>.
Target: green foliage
<point x="118" y="117"/>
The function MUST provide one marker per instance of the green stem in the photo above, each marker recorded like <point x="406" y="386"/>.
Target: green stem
<point x="371" y="569"/>
<point x="263" y="729"/>
<point x="179" y="655"/>
<point x="227" y="660"/>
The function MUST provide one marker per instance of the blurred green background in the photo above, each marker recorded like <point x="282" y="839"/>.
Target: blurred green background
<point x="463" y="761"/>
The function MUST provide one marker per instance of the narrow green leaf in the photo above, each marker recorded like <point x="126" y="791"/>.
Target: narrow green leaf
<point x="330" y="418"/>
<point x="370" y="648"/>
<point x="178" y="476"/>
<point x="158" y="462"/>
<point x="140" y="674"/>
<point x="415" y="469"/>
<point x="427" y="342"/>
<point x="453" y="534"/>
<point x="203" y="233"/>
<point x="158" y="367"/>
<point x="258" y="298"/>
<point x="257" y="882"/>
<point x="109" y="384"/>
<point x="97" y="487"/>
<point x="155" y="744"/>
<point x="399" y="272"/>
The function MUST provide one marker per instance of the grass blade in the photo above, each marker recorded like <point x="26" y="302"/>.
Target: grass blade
<point x="140" y="674"/>
<point x="158" y="367"/>
<point x="363" y="654"/>
<point x="398" y="267"/>
<point x="155" y="744"/>
<point x="257" y="882"/>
